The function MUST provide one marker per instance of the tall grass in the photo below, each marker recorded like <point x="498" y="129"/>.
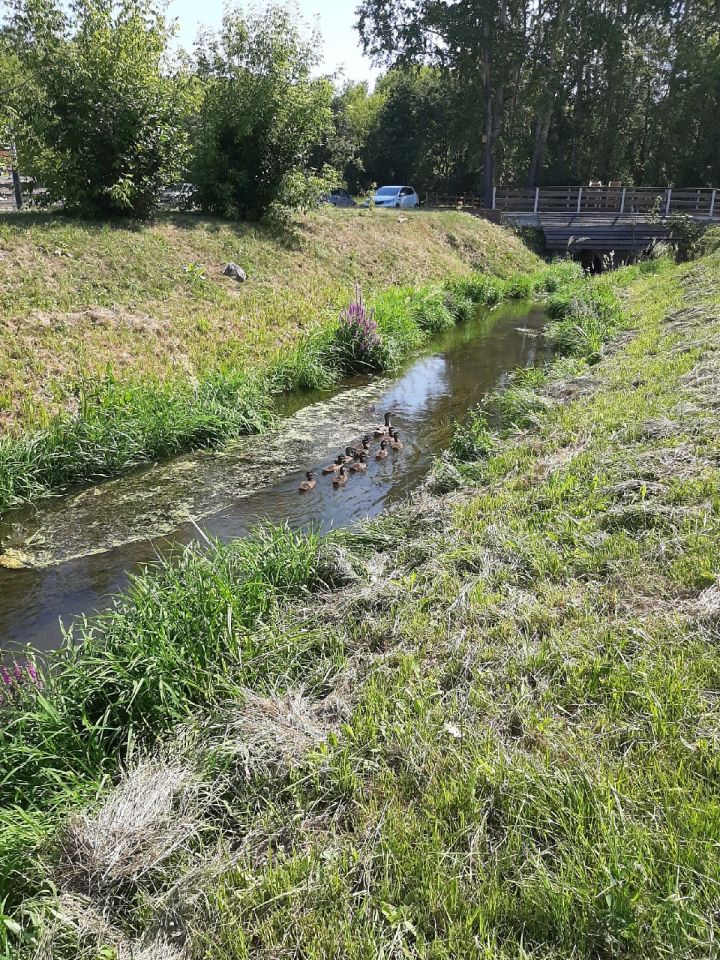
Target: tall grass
<point x="119" y="425"/>
<point x="193" y="632"/>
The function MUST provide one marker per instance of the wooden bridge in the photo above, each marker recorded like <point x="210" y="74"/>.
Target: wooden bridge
<point x="596" y="217"/>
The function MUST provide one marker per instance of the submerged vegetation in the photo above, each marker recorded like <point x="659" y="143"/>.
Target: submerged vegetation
<point x="480" y="726"/>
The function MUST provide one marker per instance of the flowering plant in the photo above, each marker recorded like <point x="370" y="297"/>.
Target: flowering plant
<point x="357" y="337"/>
<point x="13" y="682"/>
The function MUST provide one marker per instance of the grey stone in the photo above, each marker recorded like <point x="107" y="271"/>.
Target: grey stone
<point x="234" y="271"/>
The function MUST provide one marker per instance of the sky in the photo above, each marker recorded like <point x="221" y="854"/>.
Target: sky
<point x="334" y="18"/>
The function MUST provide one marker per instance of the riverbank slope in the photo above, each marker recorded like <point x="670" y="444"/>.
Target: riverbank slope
<point x="123" y="345"/>
<point x="79" y="299"/>
<point x="485" y="725"/>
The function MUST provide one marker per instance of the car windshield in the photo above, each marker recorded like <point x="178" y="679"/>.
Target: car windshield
<point x="387" y="191"/>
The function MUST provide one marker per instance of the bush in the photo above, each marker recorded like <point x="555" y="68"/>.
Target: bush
<point x="479" y="288"/>
<point x="262" y="115"/>
<point x="102" y="123"/>
<point x="358" y="345"/>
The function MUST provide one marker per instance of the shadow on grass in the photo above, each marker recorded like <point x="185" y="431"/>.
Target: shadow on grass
<point x="288" y="235"/>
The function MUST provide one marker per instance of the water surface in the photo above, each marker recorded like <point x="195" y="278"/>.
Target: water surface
<point x="83" y="546"/>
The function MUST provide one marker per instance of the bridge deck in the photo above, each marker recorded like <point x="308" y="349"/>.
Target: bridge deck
<point x="599" y="231"/>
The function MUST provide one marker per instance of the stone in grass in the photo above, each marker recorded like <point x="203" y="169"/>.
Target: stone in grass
<point x="234" y="271"/>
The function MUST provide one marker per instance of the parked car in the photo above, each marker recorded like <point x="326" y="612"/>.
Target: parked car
<point x="339" y="198"/>
<point x="396" y="197"/>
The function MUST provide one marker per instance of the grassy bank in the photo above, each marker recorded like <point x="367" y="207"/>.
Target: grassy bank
<point x="483" y="726"/>
<point x="121" y="346"/>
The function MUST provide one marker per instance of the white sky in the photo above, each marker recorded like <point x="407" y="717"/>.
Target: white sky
<point x="335" y="19"/>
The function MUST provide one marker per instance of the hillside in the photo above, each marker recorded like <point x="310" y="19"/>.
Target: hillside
<point x="78" y="299"/>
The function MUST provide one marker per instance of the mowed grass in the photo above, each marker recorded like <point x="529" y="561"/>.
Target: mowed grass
<point x="485" y="725"/>
<point x="149" y="303"/>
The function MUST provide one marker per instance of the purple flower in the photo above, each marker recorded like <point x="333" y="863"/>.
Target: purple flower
<point x="7" y="679"/>
<point x="18" y="673"/>
<point x="32" y="671"/>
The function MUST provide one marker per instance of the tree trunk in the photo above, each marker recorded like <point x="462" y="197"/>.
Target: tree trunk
<point x="17" y="186"/>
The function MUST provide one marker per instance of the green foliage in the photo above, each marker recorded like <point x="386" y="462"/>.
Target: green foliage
<point x="261" y="115"/>
<point x="472" y="439"/>
<point x="525" y="82"/>
<point x="430" y="310"/>
<point x="480" y="288"/>
<point x="120" y="425"/>
<point x="585" y="316"/>
<point x="101" y="125"/>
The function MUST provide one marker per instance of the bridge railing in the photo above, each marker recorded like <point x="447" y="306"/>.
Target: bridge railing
<point x="700" y="201"/>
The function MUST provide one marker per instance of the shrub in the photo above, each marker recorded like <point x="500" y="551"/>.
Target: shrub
<point x="262" y="115"/>
<point x="479" y="288"/>
<point x="102" y="124"/>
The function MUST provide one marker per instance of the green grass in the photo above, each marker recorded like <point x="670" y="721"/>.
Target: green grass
<point x="117" y="425"/>
<point x="125" y="344"/>
<point x="483" y="725"/>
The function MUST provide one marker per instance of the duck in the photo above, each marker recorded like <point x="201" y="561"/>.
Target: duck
<point x="341" y="479"/>
<point x="364" y="449"/>
<point x="308" y="483"/>
<point x="383" y="429"/>
<point x="395" y="441"/>
<point x="335" y="466"/>
<point x="382" y="452"/>
<point x="348" y="456"/>
<point x="359" y="464"/>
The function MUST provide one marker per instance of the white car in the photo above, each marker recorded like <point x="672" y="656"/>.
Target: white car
<point x="397" y="197"/>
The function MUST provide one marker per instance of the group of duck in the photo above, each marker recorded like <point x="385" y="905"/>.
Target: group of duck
<point x="355" y="459"/>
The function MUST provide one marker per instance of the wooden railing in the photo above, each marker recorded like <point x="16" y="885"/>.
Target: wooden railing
<point x="699" y="201"/>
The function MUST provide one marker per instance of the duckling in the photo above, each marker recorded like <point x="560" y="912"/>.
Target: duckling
<point x="359" y="464"/>
<point x="308" y="483"/>
<point x="348" y="456"/>
<point x="382" y="452"/>
<point x="382" y="430"/>
<point x="341" y="479"/>
<point x="334" y="467"/>
<point x="364" y="449"/>
<point x="395" y="441"/>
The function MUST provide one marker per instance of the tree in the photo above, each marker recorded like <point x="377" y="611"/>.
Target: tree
<point x="483" y="42"/>
<point x="261" y="116"/>
<point x="101" y="126"/>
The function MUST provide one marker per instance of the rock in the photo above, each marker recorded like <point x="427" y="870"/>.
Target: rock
<point x="14" y="560"/>
<point x="234" y="271"/>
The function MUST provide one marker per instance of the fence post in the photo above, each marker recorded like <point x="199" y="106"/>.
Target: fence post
<point x="17" y="186"/>
<point x="622" y="200"/>
<point x="537" y="199"/>
<point x="493" y="197"/>
<point x="712" y="202"/>
<point x="579" y="199"/>
<point x="667" y="202"/>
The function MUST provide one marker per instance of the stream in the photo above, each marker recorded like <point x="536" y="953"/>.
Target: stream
<point x="82" y="547"/>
